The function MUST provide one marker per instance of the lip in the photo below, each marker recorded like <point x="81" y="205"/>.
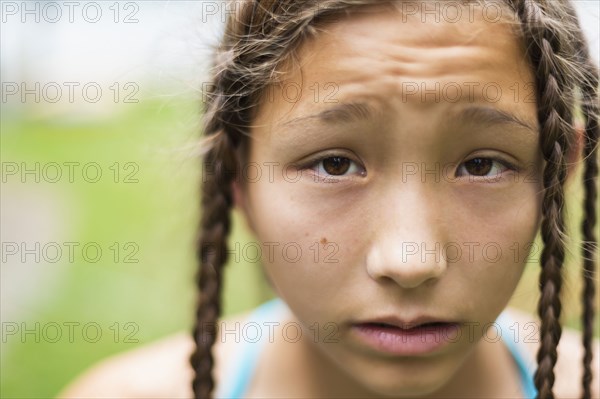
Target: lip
<point x="419" y="336"/>
<point x="405" y="324"/>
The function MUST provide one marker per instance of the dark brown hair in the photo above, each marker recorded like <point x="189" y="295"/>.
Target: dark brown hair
<point x="262" y="35"/>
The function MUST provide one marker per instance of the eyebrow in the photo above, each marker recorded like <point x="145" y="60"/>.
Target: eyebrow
<point x="340" y="113"/>
<point x="359" y="111"/>
<point x="490" y="116"/>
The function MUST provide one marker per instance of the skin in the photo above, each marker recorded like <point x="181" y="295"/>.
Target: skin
<point x="367" y="212"/>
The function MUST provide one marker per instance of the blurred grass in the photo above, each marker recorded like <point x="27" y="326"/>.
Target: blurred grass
<point x="158" y="214"/>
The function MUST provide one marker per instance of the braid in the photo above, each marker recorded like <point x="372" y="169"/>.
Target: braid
<point x="549" y="306"/>
<point x="590" y="241"/>
<point x="554" y="117"/>
<point x="590" y="107"/>
<point x="216" y="203"/>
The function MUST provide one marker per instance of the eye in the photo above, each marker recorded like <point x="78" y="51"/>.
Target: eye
<point x="335" y="166"/>
<point x="483" y="167"/>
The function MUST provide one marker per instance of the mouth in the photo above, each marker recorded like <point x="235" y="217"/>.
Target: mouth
<point x="406" y="339"/>
<point x="407" y="326"/>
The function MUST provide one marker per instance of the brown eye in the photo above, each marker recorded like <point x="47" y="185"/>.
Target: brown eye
<point x="488" y="168"/>
<point x="479" y="166"/>
<point x="336" y="166"/>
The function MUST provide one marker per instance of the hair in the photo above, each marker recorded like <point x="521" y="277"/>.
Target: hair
<point x="262" y="35"/>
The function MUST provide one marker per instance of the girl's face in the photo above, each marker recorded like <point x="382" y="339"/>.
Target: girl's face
<point x="402" y="181"/>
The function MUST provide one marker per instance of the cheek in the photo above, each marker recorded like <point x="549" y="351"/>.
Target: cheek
<point x="311" y="253"/>
<point x="499" y="244"/>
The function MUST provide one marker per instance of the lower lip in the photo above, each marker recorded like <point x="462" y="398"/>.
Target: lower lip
<point x="414" y="341"/>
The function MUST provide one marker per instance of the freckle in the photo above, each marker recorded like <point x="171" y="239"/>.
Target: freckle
<point x="323" y="240"/>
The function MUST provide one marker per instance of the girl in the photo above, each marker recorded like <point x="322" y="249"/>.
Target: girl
<point x="400" y="152"/>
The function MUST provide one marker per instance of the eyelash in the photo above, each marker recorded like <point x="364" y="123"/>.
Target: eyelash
<point x="322" y="176"/>
<point x="507" y="166"/>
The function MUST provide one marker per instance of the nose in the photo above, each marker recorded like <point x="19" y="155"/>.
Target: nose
<point x="407" y="246"/>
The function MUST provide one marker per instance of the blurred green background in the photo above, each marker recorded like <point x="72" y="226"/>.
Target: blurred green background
<point x="155" y="208"/>
<point x="143" y="210"/>
<point x="150" y="210"/>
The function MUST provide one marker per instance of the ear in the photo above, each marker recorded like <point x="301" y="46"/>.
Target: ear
<point x="240" y="201"/>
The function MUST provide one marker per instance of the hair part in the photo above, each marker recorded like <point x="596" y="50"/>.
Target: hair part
<point x="259" y="42"/>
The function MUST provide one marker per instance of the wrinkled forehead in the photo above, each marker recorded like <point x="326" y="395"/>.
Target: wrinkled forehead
<point x="402" y="51"/>
<point x="428" y="24"/>
<point x="444" y="22"/>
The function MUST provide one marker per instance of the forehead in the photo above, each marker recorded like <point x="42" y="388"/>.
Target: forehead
<point x="400" y="52"/>
<point x="423" y="25"/>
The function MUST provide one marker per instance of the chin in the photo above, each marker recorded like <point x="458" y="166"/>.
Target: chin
<point x="415" y="378"/>
<point x="404" y="386"/>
